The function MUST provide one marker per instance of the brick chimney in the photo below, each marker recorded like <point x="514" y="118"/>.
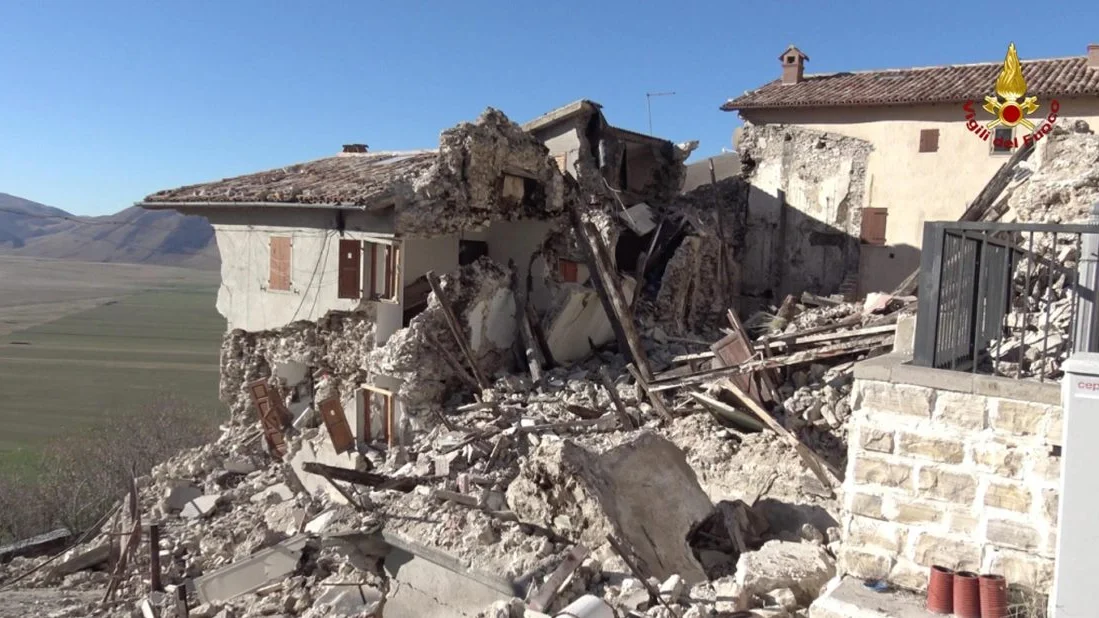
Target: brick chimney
<point x="793" y="65"/>
<point x="354" y="148"/>
<point x="1093" y="55"/>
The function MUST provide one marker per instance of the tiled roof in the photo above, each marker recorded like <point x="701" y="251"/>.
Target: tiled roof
<point x="1056" y="77"/>
<point x="347" y="179"/>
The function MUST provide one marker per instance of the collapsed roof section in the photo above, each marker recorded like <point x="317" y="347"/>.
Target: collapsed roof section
<point x="486" y="170"/>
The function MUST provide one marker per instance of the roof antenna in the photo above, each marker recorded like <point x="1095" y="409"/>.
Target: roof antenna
<point x="649" y="106"/>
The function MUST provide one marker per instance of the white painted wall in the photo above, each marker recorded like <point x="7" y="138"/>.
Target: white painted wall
<point x="243" y="237"/>
<point x="423" y="254"/>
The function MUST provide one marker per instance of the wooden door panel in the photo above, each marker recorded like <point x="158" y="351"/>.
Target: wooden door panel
<point x="339" y="430"/>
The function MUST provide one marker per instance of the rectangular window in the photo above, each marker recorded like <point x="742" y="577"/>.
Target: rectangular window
<point x="378" y="403"/>
<point x="929" y="140"/>
<point x="381" y="271"/>
<point x="873" y="226"/>
<point x="569" y="271"/>
<point x="279" y="270"/>
<point x="1002" y="140"/>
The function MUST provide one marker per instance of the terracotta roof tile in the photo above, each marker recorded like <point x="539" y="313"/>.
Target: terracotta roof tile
<point x="1055" y="77"/>
<point x="345" y="179"/>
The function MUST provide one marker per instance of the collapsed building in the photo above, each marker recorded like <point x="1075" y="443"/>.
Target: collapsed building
<point x="523" y="388"/>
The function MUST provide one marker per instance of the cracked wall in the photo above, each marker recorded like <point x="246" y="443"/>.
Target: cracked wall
<point x="807" y="192"/>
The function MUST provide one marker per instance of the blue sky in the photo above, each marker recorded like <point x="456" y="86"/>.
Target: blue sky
<point x="104" y="102"/>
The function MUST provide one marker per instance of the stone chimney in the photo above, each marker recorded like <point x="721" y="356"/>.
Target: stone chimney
<point x="793" y="65"/>
<point x="356" y="148"/>
<point x="1093" y="55"/>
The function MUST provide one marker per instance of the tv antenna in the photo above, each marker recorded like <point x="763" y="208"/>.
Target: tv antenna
<point x="649" y="106"/>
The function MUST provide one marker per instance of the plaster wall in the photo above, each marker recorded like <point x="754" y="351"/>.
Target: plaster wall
<point x="243" y="237"/>
<point x="420" y="255"/>
<point x="919" y="186"/>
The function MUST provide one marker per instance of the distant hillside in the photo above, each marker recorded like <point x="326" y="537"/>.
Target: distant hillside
<point x="133" y="235"/>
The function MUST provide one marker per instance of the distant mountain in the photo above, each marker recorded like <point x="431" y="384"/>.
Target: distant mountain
<point x="136" y="235"/>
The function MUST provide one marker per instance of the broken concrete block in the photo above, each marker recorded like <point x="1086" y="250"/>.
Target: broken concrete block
<point x="588" y="606"/>
<point x="641" y="491"/>
<point x="576" y="318"/>
<point x="782" y="597"/>
<point x="179" y="495"/>
<point x="802" y="567"/>
<point x="274" y="494"/>
<point x="673" y="588"/>
<point x="201" y="506"/>
<point x="350" y="600"/>
<point x="252" y="573"/>
<point x="151" y="605"/>
<point x="639" y="218"/>
<point x="238" y="466"/>
<point x="80" y="558"/>
<point x="728" y="595"/>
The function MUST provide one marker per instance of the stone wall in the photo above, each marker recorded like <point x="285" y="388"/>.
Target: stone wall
<point x="954" y="469"/>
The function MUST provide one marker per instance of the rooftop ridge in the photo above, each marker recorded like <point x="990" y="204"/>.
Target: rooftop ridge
<point x="935" y="67"/>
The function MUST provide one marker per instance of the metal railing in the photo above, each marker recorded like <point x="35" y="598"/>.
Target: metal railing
<point x="1009" y="299"/>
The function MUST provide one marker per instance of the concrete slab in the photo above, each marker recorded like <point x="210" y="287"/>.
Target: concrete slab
<point x="238" y="466"/>
<point x="639" y="218"/>
<point x="252" y="573"/>
<point x="179" y="495"/>
<point x="852" y="599"/>
<point x="273" y="494"/>
<point x="350" y="599"/>
<point x="80" y="558"/>
<point x="428" y="583"/>
<point x="202" y="506"/>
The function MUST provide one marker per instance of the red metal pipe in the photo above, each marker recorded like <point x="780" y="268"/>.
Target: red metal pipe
<point x="993" y="596"/>
<point x="940" y="590"/>
<point x="967" y="595"/>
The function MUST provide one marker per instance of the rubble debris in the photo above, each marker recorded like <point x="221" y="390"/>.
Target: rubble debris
<point x="252" y="573"/>
<point x="201" y="506"/>
<point x="803" y="568"/>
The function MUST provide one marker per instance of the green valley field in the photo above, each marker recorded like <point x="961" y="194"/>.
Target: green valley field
<point x="81" y="341"/>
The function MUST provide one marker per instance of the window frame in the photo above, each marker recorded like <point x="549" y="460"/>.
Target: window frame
<point x="992" y="144"/>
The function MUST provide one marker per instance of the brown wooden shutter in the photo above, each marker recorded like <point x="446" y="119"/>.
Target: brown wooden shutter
<point x="350" y="278"/>
<point x="929" y="140"/>
<point x="569" y="271"/>
<point x="336" y="421"/>
<point x="279" y="273"/>
<point x="273" y="416"/>
<point x="873" y="226"/>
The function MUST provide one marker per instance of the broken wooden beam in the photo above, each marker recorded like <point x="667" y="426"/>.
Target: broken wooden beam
<point x="583" y="412"/>
<point x="806" y="356"/>
<point x="655" y="398"/>
<point x="454" y="363"/>
<point x="624" y="418"/>
<point x="547" y="592"/>
<point x="456" y="328"/>
<point x="727" y="412"/>
<point x="356" y="477"/>
<point x="606" y="284"/>
<point x="811" y="459"/>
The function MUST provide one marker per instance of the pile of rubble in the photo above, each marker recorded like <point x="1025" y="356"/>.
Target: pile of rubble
<point x="675" y="495"/>
<point x="1058" y="183"/>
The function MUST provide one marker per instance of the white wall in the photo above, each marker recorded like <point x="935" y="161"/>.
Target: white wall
<point x="243" y="237"/>
<point x="420" y="255"/>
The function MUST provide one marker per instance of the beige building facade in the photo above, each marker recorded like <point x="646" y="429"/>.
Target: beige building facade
<point x="925" y="163"/>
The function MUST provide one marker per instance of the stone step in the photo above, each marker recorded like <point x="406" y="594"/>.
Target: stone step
<point x="852" y="599"/>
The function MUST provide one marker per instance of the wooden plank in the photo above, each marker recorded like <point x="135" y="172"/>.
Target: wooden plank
<point x="797" y="358"/>
<point x="369" y="479"/>
<point x="272" y="415"/>
<point x="643" y="267"/>
<point x="624" y="419"/>
<point x="451" y="360"/>
<point x="610" y="293"/>
<point x="809" y="457"/>
<point x="728" y="412"/>
<point x="654" y="397"/>
<point x="456" y="329"/>
<point x="548" y="591"/>
<point x="847" y="334"/>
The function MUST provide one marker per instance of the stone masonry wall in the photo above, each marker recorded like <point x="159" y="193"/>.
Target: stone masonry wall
<point x="953" y="469"/>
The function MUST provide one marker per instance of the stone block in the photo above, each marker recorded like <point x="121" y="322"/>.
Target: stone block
<point x="914" y="512"/>
<point x="1046" y="467"/>
<point x="1012" y="534"/>
<point x="956" y="487"/>
<point x="938" y="379"/>
<point x="874" y="534"/>
<point x="881" y="472"/>
<point x="871" y="439"/>
<point x="200" y="507"/>
<point x="931" y="447"/>
<point x="909" y="575"/>
<point x="1022" y="390"/>
<point x="1000" y="458"/>
<point x="1019" y="418"/>
<point x="1009" y="496"/>
<point x="963" y="522"/>
<point x="961" y="410"/>
<point x="1055" y="427"/>
<point x="958" y="553"/>
<point x="1023" y="569"/>
<point x="867" y="505"/>
<point x="1051" y="501"/>
<point x="802" y="567"/>
<point x="865" y="564"/>
<point x="896" y="399"/>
